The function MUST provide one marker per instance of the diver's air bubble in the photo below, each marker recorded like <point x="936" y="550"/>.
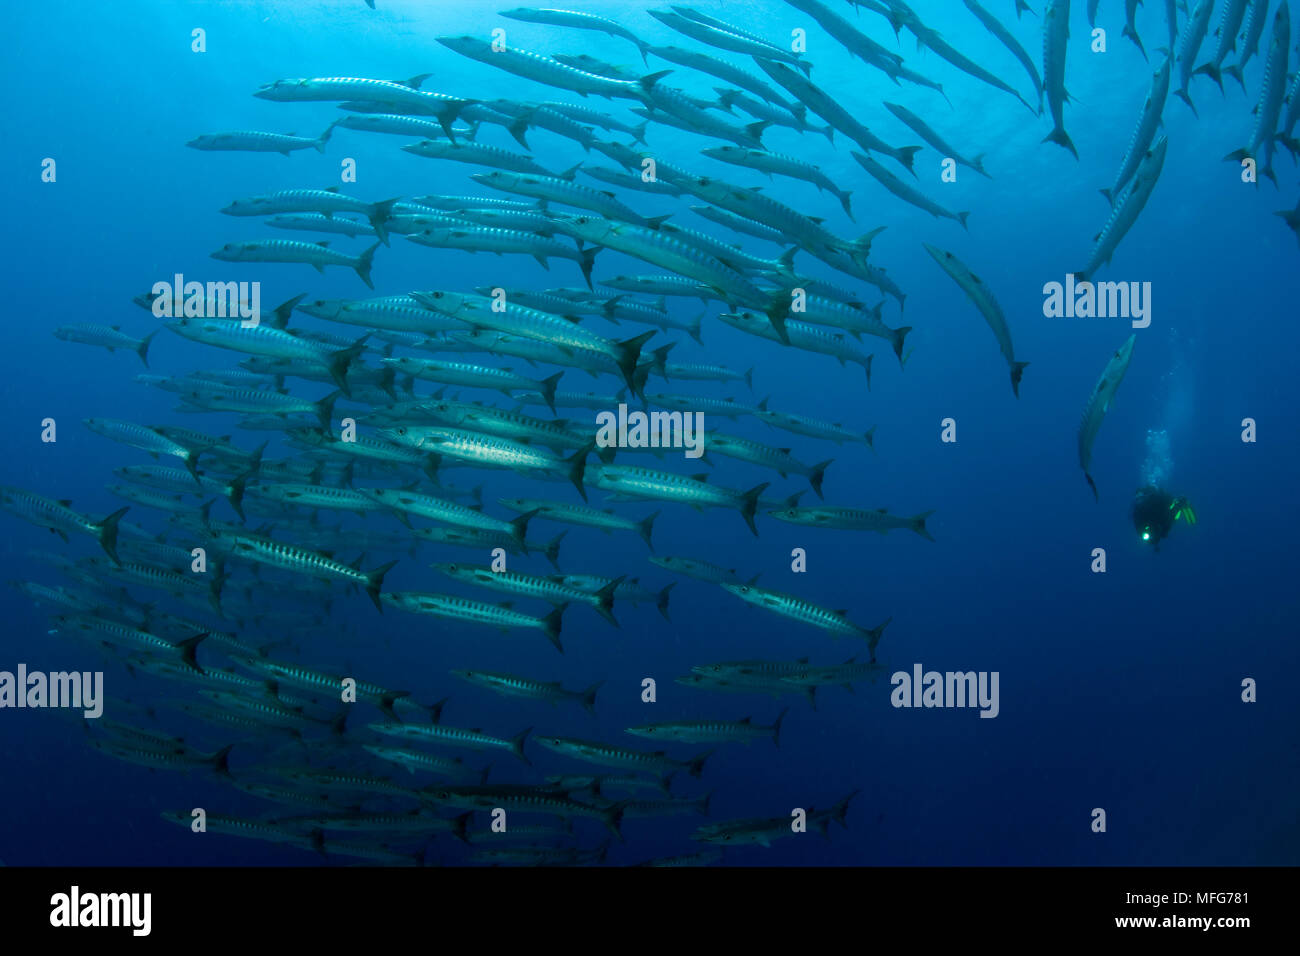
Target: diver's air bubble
<point x="1159" y="461"/>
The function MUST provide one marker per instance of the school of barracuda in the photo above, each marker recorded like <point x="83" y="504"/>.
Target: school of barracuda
<point x="390" y="778"/>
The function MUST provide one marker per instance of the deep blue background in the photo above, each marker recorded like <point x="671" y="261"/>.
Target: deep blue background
<point x="1118" y="691"/>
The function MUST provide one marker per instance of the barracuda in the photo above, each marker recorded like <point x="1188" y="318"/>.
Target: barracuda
<point x="829" y="109"/>
<point x="523" y="799"/>
<point x="552" y="692"/>
<point x="854" y="519"/>
<point x="330" y="684"/>
<point x="1056" y="39"/>
<point x="711" y="731"/>
<point x="487" y="239"/>
<point x="110" y="337"/>
<point x="1263" y="139"/>
<point x="988" y="307"/>
<point x="59" y="518"/>
<point x="514" y="319"/>
<point x="318" y="255"/>
<point x="611" y="756"/>
<point x="476" y="154"/>
<point x="1152" y="111"/>
<point x="288" y="557"/>
<point x="776" y="163"/>
<point x="258" y="142"/>
<point x="803" y="336"/>
<point x="416" y="761"/>
<point x="923" y="129"/>
<point x="273" y="343"/>
<point x="259" y="401"/>
<point x="404" y="94"/>
<point x="905" y="192"/>
<point x="604" y="518"/>
<point x="779" y="460"/>
<point x="700" y="570"/>
<point x="1099" y="404"/>
<point x="1127" y="208"/>
<point x="669" y="252"/>
<point x="541" y="69"/>
<point x="489" y="450"/>
<point x="439" y="509"/>
<point x="1189" y="44"/>
<point x="666" y="486"/>
<point x="477" y="612"/>
<point x="475" y="376"/>
<point x="324" y="201"/>
<point x="565" y="192"/>
<point x="455" y="737"/>
<point x="122" y="635"/>
<point x="796" y="608"/>
<point x="535" y="586"/>
<point x="144" y="438"/>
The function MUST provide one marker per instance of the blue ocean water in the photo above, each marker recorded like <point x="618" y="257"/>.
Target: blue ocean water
<point x="1119" y="691"/>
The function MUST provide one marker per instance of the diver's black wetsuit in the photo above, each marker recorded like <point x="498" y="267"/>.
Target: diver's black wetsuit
<point x="1154" y="513"/>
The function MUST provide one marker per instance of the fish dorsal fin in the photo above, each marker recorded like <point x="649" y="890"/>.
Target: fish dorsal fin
<point x="745" y="720"/>
<point x="323" y="243"/>
<point x="701" y="477"/>
<point x="506" y="604"/>
<point x="331" y="189"/>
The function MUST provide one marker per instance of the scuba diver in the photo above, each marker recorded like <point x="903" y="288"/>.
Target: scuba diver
<point x="1155" y="511"/>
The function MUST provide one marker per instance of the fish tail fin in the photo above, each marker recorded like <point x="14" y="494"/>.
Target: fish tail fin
<point x="187" y="648"/>
<point x="1185" y="96"/>
<point x="375" y="580"/>
<point x="339" y="361"/>
<point x="578" y="467"/>
<point x="896" y="340"/>
<point x="238" y="485"/>
<point x="143" y="349"/>
<point x="1109" y="194"/>
<point x="1061" y="138"/>
<point x="517" y="745"/>
<point x="818" y="474"/>
<point x="906" y="155"/>
<point x="1093" y="485"/>
<point x="281" y="313"/>
<point x="644" y="527"/>
<point x="460" y="826"/>
<point x="605" y="600"/>
<point x="874" y="634"/>
<point x="552" y="550"/>
<point x="1213" y="72"/>
<point x="869" y="436"/>
<point x="749" y="505"/>
<point x="977" y="163"/>
<point x="1234" y="71"/>
<point x="866" y="366"/>
<point x="106" y="532"/>
<point x="843" y="196"/>
<point x="918" y="525"/>
<point x="325" y="408"/>
<point x="1131" y="33"/>
<point x="661" y="602"/>
<point x="776" y="727"/>
<point x="1017" y="370"/>
<point x="324" y="138"/>
<point x="221" y="759"/>
<point x="696" y="767"/>
<point x="961" y="218"/>
<point x="629" y="351"/>
<point x="638" y="133"/>
<point x="841" y="809"/>
<point x="589" y="697"/>
<point x="613" y="819"/>
<point x="777" y="313"/>
<point x="547" y="388"/>
<point x="551" y="624"/>
<point x="365" y="261"/>
<point x="519" y="527"/>
<point x="387" y="700"/>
